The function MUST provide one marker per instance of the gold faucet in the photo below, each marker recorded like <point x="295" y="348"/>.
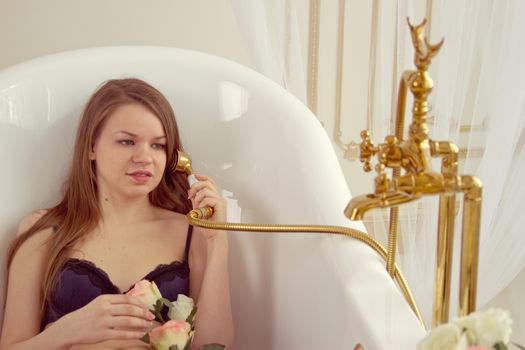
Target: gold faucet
<point x="413" y="155"/>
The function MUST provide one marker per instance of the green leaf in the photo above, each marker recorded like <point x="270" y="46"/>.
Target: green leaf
<point x="500" y="346"/>
<point x="158" y="306"/>
<point x="213" y="346"/>
<point x="166" y="302"/>
<point x="191" y="317"/>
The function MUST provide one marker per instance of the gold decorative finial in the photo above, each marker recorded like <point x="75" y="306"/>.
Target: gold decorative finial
<point x="424" y="51"/>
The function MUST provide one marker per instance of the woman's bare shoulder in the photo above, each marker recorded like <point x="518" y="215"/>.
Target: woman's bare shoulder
<point x="29" y="220"/>
<point x="36" y="243"/>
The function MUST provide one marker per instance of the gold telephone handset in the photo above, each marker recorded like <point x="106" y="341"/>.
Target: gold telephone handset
<point x="183" y="164"/>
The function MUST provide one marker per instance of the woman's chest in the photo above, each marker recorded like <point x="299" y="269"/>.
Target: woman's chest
<point x="127" y="258"/>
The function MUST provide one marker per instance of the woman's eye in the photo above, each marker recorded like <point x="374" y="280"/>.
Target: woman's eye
<point x="159" y="146"/>
<point x="126" y="142"/>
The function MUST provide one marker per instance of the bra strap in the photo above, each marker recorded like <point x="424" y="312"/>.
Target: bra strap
<point x="188" y="242"/>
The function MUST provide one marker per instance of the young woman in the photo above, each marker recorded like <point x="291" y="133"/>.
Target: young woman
<point x="121" y="220"/>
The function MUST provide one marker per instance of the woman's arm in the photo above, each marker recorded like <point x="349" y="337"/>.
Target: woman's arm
<point x="209" y="275"/>
<point x="106" y="317"/>
<point x="21" y="325"/>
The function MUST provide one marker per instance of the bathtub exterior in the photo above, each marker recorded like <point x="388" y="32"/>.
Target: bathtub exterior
<point x="262" y="146"/>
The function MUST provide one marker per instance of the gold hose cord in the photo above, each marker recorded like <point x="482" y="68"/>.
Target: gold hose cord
<point x="196" y="218"/>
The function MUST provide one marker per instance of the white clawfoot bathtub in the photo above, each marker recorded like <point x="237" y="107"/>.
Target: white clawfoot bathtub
<point x="290" y="291"/>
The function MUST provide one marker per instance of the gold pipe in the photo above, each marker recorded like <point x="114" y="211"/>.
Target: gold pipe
<point x="394" y="69"/>
<point x="393" y="226"/>
<point x="339" y="77"/>
<point x="372" y="66"/>
<point x="313" y="54"/>
<point x="445" y="236"/>
<point x="444" y="248"/>
<point x="469" y="243"/>
<point x="196" y="218"/>
<point x="351" y="149"/>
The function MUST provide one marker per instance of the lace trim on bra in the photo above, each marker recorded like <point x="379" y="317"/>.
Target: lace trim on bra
<point x="150" y="276"/>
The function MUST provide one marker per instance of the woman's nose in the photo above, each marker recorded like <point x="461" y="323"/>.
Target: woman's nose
<point x="142" y="154"/>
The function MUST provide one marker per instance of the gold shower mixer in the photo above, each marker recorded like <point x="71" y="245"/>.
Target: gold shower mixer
<point x="413" y="155"/>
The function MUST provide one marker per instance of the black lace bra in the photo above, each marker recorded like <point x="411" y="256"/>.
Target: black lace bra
<point x="80" y="281"/>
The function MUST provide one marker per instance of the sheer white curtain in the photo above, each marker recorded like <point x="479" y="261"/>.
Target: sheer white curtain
<point x="478" y="103"/>
<point x="500" y="103"/>
<point x="479" y="78"/>
<point x="271" y="33"/>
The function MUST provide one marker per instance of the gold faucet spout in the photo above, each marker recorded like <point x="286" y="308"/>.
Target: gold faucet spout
<point x="427" y="182"/>
<point x="358" y="206"/>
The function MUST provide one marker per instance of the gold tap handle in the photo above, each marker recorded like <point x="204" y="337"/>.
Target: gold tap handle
<point x="382" y="180"/>
<point x="366" y="150"/>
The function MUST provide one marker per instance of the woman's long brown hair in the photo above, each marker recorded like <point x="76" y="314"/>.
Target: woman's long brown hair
<point x="78" y="212"/>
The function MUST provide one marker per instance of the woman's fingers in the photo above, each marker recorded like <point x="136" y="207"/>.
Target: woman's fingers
<point x="204" y="182"/>
<point x="125" y="299"/>
<point x="205" y="193"/>
<point x="202" y="177"/>
<point x="135" y="323"/>
<point x="131" y="310"/>
<point x="124" y="334"/>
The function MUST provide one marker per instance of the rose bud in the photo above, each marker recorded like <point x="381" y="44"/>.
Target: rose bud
<point x="169" y="334"/>
<point x="147" y="292"/>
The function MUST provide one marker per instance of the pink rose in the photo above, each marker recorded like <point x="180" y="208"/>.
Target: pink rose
<point x="169" y="334"/>
<point x="147" y="292"/>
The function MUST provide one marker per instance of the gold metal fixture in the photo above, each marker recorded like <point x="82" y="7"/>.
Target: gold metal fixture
<point x="351" y="149"/>
<point x="198" y="217"/>
<point x="183" y="164"/>
<point x="413" y="155"/>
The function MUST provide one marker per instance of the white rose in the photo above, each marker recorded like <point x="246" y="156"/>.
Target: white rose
<point x="467" y="328"/>
<point x="493" y="326"/>
<point x="181" y="308"/>
<point x="444" y="337"/>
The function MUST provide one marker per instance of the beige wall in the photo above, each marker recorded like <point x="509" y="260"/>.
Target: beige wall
<point x="32" y="28"/>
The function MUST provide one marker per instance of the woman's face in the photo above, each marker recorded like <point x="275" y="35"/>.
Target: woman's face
<point x="130" y="153"/>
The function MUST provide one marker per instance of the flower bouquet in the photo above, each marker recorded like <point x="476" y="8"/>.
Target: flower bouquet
<point x="482" y="330"/>
<point x="177" y="329"/>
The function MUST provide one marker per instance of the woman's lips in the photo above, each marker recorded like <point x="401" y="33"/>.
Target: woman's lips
<point x="140" y="176"/>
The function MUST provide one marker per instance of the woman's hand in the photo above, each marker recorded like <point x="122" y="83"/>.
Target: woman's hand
<point x="107" y="317"/>
<point x="205" y="192"/>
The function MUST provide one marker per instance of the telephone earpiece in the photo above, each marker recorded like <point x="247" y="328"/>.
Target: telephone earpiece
<point x="183" y="164"/>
